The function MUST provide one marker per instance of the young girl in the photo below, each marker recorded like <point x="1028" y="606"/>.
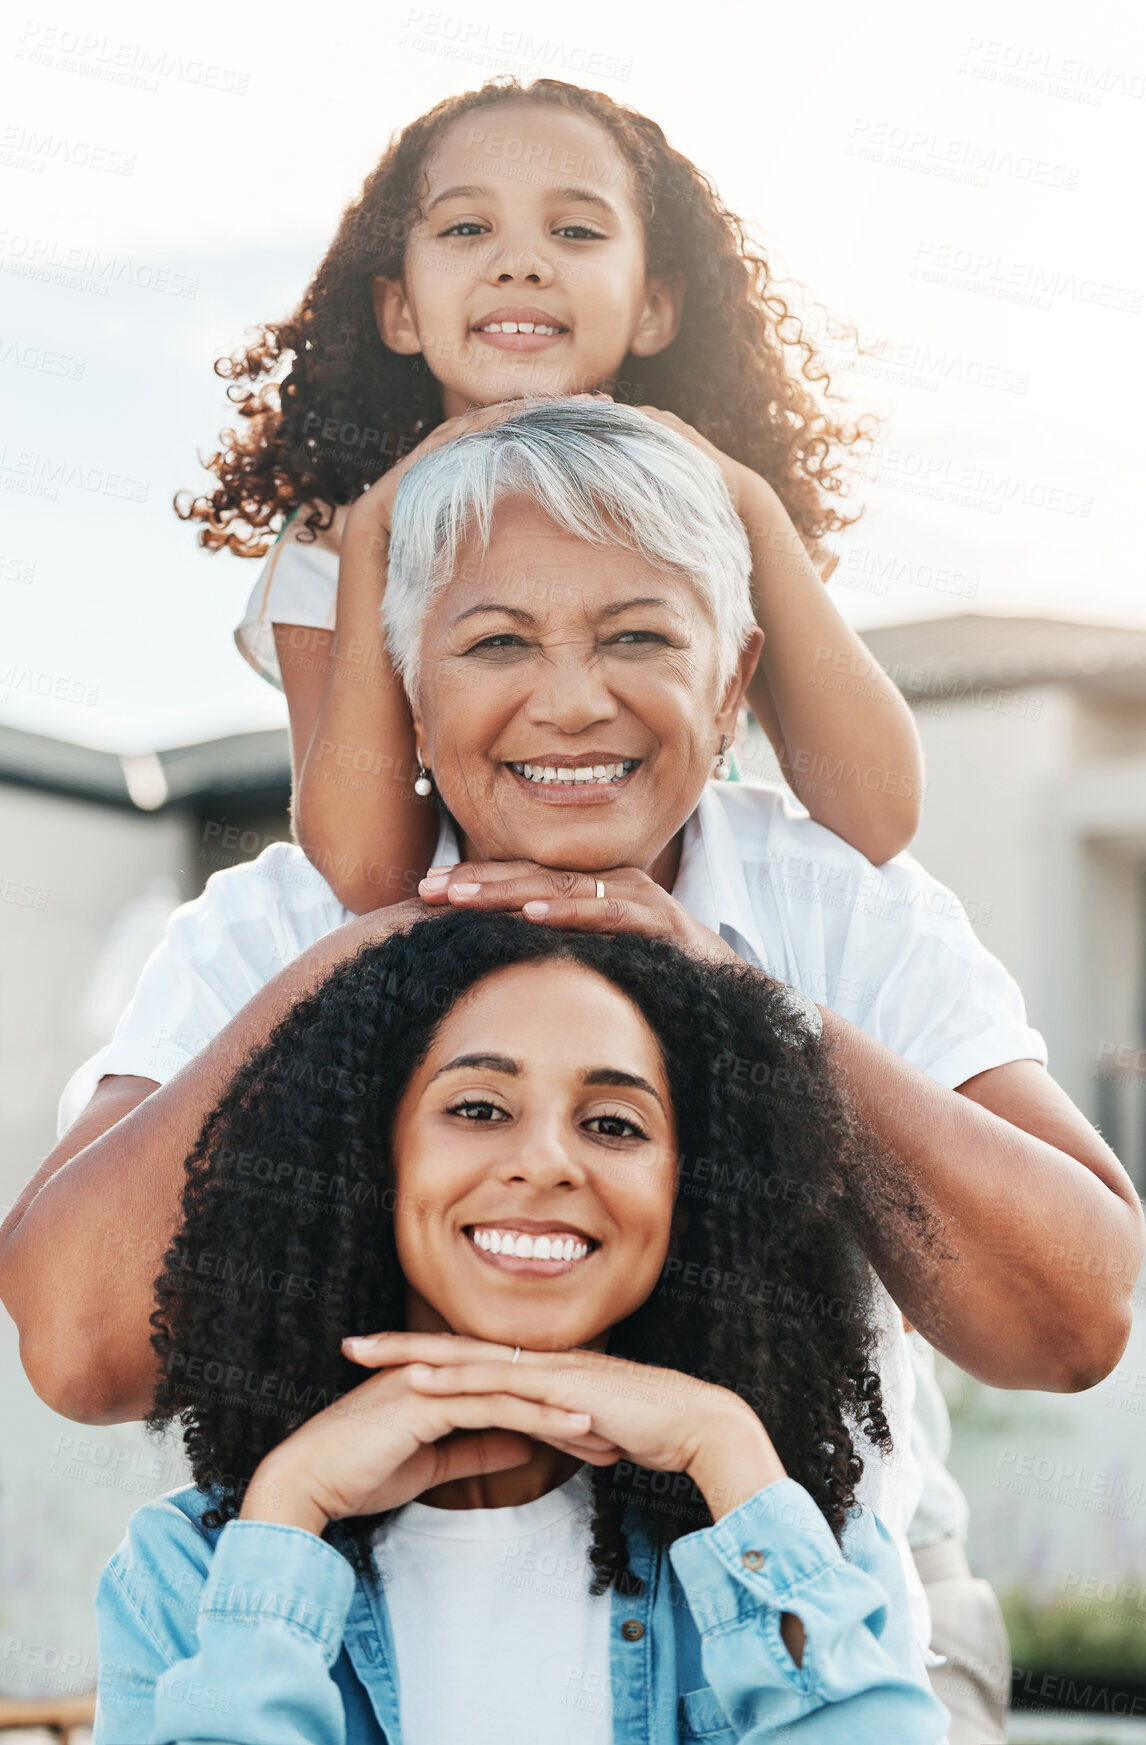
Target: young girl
<point x="600" y="1483"/>
<point x="523" y="240"/>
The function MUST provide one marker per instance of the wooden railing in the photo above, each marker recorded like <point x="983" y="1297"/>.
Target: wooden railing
<point x="57" y="1715"/>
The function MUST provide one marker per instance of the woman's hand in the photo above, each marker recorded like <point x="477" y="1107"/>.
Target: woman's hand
<point x="387" y="1441"/>
<point x="632" y="903"/>
<point x="656" y="1418"/>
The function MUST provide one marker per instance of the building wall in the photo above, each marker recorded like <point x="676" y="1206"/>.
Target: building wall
<point x="67" y="869"/>
<point x="85" y="891"/>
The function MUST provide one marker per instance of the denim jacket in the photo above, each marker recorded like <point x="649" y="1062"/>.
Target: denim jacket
<point x="263" y="1635"/>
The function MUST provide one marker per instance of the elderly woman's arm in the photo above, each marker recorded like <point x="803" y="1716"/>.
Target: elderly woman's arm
<point x="81" y="1248"/>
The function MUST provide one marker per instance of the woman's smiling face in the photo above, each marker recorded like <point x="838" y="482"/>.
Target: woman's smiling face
<point x="527" y="215"/>
<point x="541" y="1117"/>
<point x="546" y="653"/>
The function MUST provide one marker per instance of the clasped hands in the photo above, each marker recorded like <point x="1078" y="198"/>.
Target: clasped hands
<point x="442" y="1406"/>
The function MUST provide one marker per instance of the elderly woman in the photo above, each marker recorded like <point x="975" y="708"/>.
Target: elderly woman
<point x="568" y="604"/>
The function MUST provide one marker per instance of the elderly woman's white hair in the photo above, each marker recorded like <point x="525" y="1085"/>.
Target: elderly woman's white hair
<point x="604" y="473"/>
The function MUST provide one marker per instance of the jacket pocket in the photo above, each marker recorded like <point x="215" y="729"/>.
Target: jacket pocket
<point x="700" y="1716"/>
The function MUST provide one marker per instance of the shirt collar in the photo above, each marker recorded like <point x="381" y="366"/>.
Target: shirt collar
<point x="711" y="883"/>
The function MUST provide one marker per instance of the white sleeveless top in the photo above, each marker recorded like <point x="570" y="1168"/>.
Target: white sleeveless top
<point x="496" y="1634"/>
<point x="298" y="584"/>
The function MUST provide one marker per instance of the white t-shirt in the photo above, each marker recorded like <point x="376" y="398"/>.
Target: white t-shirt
<point x="298" y="584"/>
<point x="888" y="948"/>
<point x="942" y="1512"/>
<point x="498" y="1600"/>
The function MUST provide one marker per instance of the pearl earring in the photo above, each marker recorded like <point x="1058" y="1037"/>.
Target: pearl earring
<point x="423" y="785"/>
<point x="722" y="771"/>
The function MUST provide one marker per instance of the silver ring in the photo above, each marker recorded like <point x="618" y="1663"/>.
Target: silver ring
<point x="600" y="891"/>
<point x="516" y="1354"/>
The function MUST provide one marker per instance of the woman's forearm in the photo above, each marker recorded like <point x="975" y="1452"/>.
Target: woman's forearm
<point x="357" y="816"/>
<point x="80" y="1251"/>
<point x="1015" y="1175"/>
<point x="844" y="736"/>
<point x="752" y="1577"/>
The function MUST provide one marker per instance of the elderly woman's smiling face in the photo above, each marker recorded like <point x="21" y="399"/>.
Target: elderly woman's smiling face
<point x="546" y="653"/>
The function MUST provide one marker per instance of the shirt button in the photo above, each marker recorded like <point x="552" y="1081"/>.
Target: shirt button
<point x="753" y="1559"/>
<point x="632" y="1630"/>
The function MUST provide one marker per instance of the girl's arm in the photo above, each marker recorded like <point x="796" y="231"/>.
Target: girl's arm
<point x="844" y="736"/>
<point x="356" y="815"/>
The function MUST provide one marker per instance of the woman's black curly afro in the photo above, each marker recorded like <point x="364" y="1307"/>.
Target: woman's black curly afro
<point x="288" y="1240"/>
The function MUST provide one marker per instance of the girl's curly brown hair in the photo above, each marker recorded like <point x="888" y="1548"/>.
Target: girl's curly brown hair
<point x="742" y="368"/>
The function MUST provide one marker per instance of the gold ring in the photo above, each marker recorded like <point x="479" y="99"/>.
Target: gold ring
<point x="516" y="1354"/>
<point x="600" y="891"/>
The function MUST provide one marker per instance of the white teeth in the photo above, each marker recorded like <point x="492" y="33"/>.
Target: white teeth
<point x="525" y="1247"/>
<point x="517" y="327"/>
<point x="580" y="773"/>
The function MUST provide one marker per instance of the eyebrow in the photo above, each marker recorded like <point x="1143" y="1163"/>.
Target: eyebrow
<point x="611" y="1075"/>
<point x="524" y="617"/>
<point x="597" y="1075"/>
<point x="467" y="190"/>
<point x="489" y="1062"/>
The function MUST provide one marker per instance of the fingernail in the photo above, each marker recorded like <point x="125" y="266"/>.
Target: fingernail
<point x="357" y="1339"/>
<point x="419" y="1371"/>
<point x="464" y="890"/>
<point x="536" y="910"/>
<point x="447" y="866"/>
<point x="581" y="1418"/>
<point x="434" y="882"/>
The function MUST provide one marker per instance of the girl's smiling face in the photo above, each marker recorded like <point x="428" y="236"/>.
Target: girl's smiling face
<point x="527" y="216"/>
<point x="542" y="1111"/>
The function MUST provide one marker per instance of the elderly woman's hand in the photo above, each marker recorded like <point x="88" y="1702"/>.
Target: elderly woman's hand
<point x="630" y="901"/>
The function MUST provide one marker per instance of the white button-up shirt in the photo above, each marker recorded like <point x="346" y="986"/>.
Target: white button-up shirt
<point x="887" y="948"/>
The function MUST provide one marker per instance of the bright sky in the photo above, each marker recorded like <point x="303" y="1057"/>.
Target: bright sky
<point x="959" y="182"/>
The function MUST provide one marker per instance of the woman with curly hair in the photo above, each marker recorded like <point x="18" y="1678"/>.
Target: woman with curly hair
<point x="601" y="1482"/>
<point x="521" y="241"/>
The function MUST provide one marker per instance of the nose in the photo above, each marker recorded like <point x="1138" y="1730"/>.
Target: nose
<point x="541" y="1156"/>
<point x="514" y="260"/>
<point x="570" y="693"/>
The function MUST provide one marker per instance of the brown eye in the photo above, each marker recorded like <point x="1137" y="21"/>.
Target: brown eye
<point x="615" y="1127"/>
<point x="476" y="1109"/>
